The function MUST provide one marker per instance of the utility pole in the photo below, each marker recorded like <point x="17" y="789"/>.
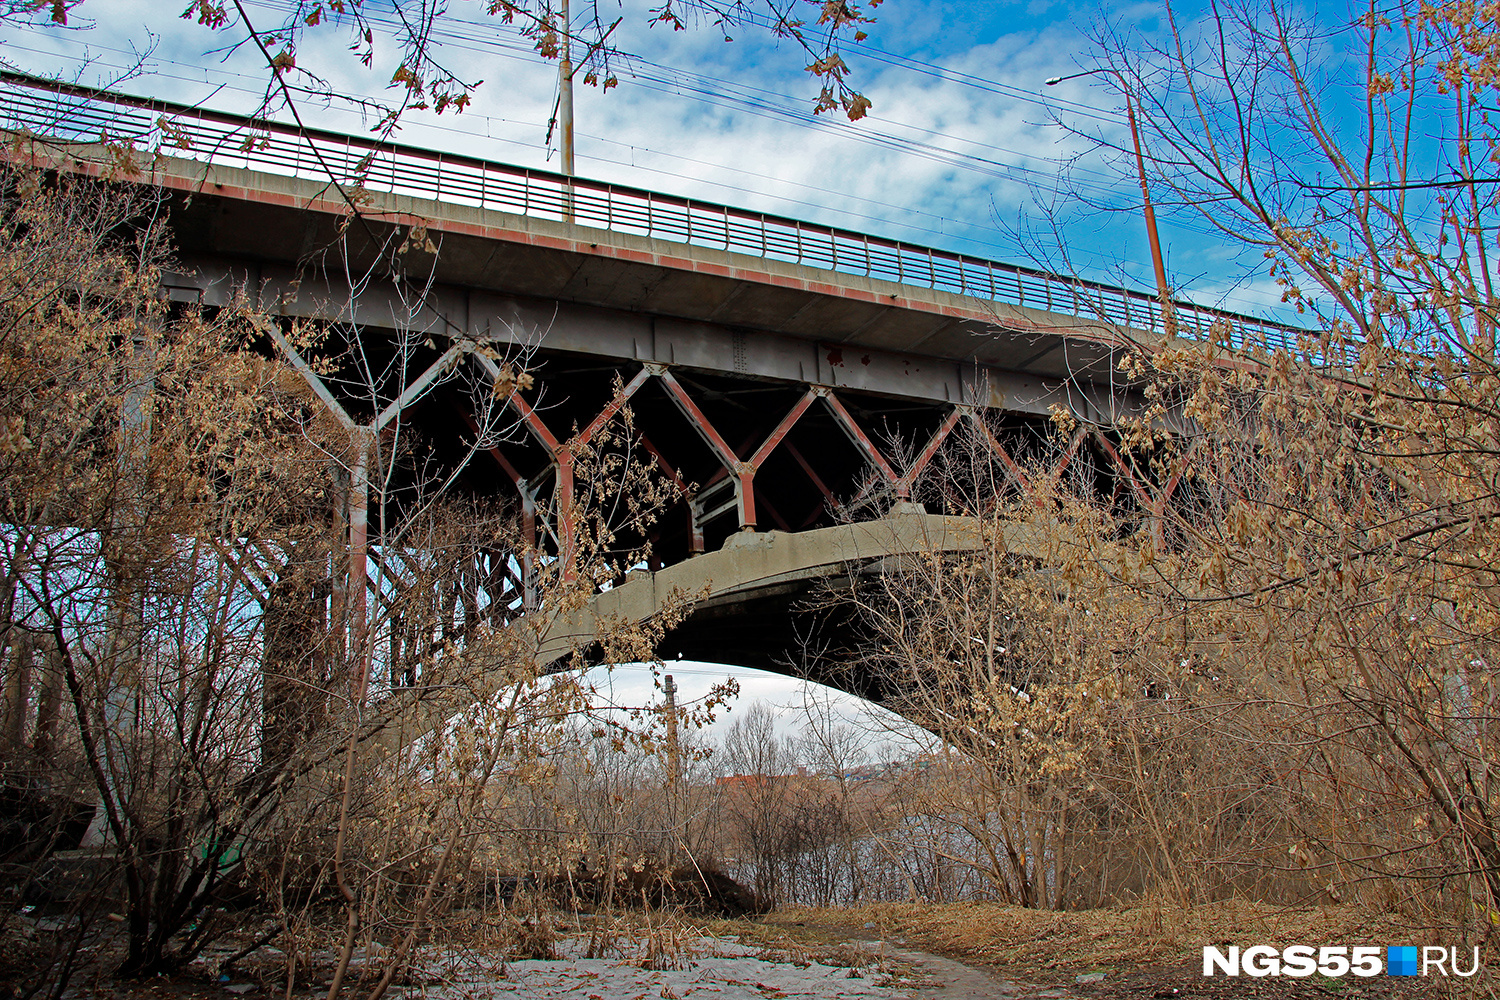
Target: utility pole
<point x="125" y="605"/>
<point x="565" y="108"/>
<point x="1169" y="319"/>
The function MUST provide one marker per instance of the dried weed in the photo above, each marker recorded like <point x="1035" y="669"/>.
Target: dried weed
<point x="1154" y="933"/>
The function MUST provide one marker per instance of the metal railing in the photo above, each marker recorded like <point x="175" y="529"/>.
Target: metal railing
<point x="68" y="114"/>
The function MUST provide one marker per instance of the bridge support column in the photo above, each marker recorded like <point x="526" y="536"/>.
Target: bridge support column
<point x="528" y="553"/>
<point x="529" y="540"/>
<point x="562" y="459"/>
<point x="359" y="560"/>
<point x="564" y="455"/>
<point x="745" y="494"/>
<point x="696" y="544"/>
<point x="746" y="470"/>
<point x="566" y="542"/>
<point x="695" y="535"/>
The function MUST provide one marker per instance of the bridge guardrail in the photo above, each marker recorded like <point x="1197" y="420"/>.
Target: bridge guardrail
<point x="76" y="114"/>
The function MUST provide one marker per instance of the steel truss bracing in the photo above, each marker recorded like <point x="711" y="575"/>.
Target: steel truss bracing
<point x="820" y="455"/>
<point x="741" y="455"/>
<point x="769" y="395"/>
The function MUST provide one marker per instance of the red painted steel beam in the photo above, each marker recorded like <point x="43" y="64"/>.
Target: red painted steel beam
<point x="565" y="539"/>
<point x="699" y="421"/>
<point x="607" y="414"/>
<point x="782" y="430"/>
<point x="775" y="515"/>
<point x="746" y="484"/>
<point x="534" y="423"/>
<point x="747" y="469"/>
<point x="791" y="450"/>
<point x="528" y="516"/>
<point x="721" y="473"/>
<point x="1078" y="436"/>
<point x="563" y="464"/>
<point x="528" y="555"/>
<point x="745" y="488"/>
<point x="1000" y="452"/>
<point x="808" y="521"/>
<point x="927" y="453"/>
<point x="695" y="535"/>
<point x="666" y="466"/>
<point x="510" y="470"/>
<point x="860" y="439"/>
<point x="1171" y="487"/>
<point x="747" y="498"/>
<point x="758" y="458"/>
<point x="506" y="467"/>
<point x="1120" y="463"/>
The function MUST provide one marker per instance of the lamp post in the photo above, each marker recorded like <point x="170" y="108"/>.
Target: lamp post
<point x="1169" y="322"/>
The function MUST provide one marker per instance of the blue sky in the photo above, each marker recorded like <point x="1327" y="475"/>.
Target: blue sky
<point x="959" y="152"/>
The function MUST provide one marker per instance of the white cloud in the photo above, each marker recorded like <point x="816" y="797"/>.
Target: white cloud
<point x="741" y="144"/>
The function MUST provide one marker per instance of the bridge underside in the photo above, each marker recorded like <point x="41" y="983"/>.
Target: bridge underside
<point x="777" y="401"/>
<point x="758" y="423"/>
<point x="766" y="436"/>
<point x="802" y="630"/>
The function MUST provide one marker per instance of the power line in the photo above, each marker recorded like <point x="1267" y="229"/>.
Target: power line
<point x="697" y="86"/>
<point x="479" y="37"/>
<point x="711" y="92"/>
<point x="870" y="50"/>
<point x="203" y="77"/>
<point x="898" y="144"/>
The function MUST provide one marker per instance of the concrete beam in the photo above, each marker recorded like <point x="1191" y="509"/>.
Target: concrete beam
<point x="748" y="563"/>
<point x="619" y="335"/>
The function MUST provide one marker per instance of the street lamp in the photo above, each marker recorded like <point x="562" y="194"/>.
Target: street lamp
<point x="1168" y="320"/>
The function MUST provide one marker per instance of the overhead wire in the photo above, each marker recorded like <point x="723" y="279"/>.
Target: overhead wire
<point x="472" y="115"/>
<point x="821" y="205"/>
<point x="758" y="102"/>
<point x="1104" y="187"/>
<point x="692" y="84"/>
<point x="872" y="51"/>
<point x="480" y="37"/>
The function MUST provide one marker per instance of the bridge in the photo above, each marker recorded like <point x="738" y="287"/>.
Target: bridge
<point x="797" y="385"/>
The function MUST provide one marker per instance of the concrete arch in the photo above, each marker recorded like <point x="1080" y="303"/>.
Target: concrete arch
<point x="746" y="589"/>
<point x="771" y="566"/>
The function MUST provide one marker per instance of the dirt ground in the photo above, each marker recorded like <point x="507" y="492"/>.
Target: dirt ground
<point x="1144" y="951"/>
<point x="900" y="952"/>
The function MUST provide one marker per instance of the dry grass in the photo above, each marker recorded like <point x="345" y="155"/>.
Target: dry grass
<point x="1035" y="942"/>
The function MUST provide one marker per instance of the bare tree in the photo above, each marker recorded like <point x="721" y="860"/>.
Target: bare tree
<point x="1307" y="609"/>
<point x="580" y="38"/>
<point x="139" y="440"/>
